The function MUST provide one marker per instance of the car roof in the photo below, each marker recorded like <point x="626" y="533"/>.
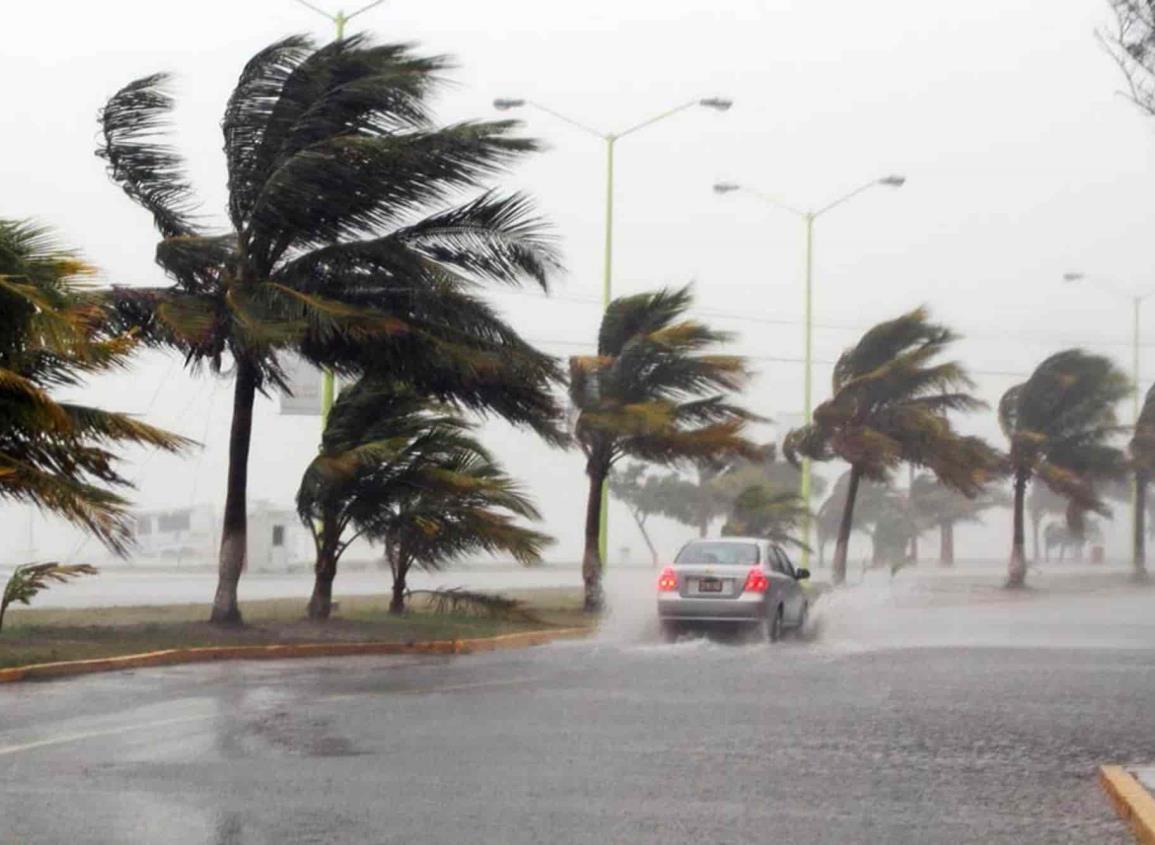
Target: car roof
<point x="727" y="540"/>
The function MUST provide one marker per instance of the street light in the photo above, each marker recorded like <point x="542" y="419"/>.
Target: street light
<point x="808" y="217"/>
<point x="720" y="104"/>
<point x="1136" y="306"/>
<point x="339" y="19"/>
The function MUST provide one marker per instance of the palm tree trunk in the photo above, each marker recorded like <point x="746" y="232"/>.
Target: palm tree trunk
<point x="234" y="533"/>
<point x="1036" y="523"/>
<point x="1140" y="538"/>
<point x="325" y="567"/>
<point x="591" y="559"/>
<point x="400" y="574"/>
<point x="914" y="548"/>
<point x="946" y="544"/>
<point x="1017" y="570"/>
<point x="842" y="546"/>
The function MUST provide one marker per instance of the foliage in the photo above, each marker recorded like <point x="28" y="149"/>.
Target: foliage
<point x="401" y="469"/>
<point x="890" y="402"/>
<point x="348" y="242"/>
<point x="1060" y="424"/>
<point x="1131" y="42"/>
<point x="1141" y="452"/>
<point x="30" y="579"/>
<point x="461" y="602"/>
<point x="759" y="511"/>
<point x="54" y="454"/>
<point x="655" y="393"/>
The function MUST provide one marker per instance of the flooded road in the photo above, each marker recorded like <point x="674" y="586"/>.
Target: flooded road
<point x="906" y="715"/>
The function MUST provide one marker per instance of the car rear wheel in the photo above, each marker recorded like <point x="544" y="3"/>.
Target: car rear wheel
<point x="772" y="625"/>
<point x="668" y="630"/>
<point x="803" y="617"/>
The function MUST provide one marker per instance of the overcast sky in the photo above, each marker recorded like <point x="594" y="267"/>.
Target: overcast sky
<point x="1022" y="158"/>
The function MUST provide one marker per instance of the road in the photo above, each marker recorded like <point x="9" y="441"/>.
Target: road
<point x="892" y="722"/>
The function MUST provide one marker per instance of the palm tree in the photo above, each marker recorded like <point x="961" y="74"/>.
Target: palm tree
<point x="937" y="506"/>
<point x="53" y="334"/>
<point x="1060" y="423"/>
<point x="890" y="405"/>
<point x="761" y="511"/>
<point x="653" y="393"/>
<point x="344" y="243"/>
<point x="394" y="465"/>
<point x="1142" y="451"/>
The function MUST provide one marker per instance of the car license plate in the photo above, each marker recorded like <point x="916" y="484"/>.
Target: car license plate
<point x="709" y="585"/>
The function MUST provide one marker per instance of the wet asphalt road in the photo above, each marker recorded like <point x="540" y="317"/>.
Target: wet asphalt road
<point x="820" y="741"/>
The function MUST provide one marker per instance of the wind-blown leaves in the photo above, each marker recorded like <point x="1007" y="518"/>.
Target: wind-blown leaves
<point x="890" y="405"/>
<point x="653" y="393"/>
<point x="60" y="455"/>
<point x="354" y="243"/>
<point x="1060" y="424"/>
<point x="399" y="469"/>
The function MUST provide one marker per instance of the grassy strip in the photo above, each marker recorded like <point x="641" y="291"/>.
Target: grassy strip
<point x="46" y="636"/>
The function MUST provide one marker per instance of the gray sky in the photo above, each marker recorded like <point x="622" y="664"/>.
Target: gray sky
<point x="1023" y="162"/>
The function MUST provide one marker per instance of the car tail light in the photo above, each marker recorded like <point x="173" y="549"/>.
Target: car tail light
<point x="756" y="581"/>
<point x="668" y="580"/>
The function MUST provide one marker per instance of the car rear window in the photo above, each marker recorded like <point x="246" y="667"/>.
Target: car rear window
<point x="719" y="554"/>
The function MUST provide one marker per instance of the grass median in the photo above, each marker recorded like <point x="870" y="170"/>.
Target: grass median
<point x="32" y="636"/>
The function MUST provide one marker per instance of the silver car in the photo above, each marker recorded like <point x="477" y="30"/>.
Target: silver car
<point x="733" y="580"/>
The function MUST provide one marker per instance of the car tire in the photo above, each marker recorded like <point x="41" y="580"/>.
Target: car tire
<point x="668" y="630"/>
<point x="803" y="617"/>
<point x="772" y="625"/>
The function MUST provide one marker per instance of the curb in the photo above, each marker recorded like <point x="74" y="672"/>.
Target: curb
<point x="208" y="654"/>
<point x="1133" y="803"/>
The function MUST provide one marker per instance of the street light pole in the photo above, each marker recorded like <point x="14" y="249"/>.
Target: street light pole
<point x="610" y="138"/>
<point x="808" y="218"/>
<point x="339" y="20"/>
<point x="1136" y="306"/>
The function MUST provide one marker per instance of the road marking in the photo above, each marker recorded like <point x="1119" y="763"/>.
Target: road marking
<point x="62" y="740"/>
<point x="6" y="750"/>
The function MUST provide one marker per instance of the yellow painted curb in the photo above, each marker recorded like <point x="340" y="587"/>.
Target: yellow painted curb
<point x="1133" y="802"/>
<point x="176" y="656"/>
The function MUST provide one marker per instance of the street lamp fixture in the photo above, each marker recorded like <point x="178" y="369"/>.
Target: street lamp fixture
<point x="808" y="217"/>
<point x="719" y="104"/>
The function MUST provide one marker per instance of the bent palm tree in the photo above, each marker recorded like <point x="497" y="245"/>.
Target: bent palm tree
<point x="1060" y="423"/>
<point x="890" y="405"/>
<point x="345" y="245"/>
<point x="760" y="511"/>
<point x="651" y="393"/>
<point x="937" y="506"/>
<point x="53" y="334"/>
<point x="394" y="466"/>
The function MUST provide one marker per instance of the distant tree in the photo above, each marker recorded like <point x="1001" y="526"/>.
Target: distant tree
<point x="349" y="242"/>
<point x="653" y="393"/>
<point x="937" y="506"/>
<point x="1131" y="42"/>
<point x="402" y="470"/>
<point x="644" y="496"/>
<point x="872" y="502"/>
<point x="1142" y="455"/>
<point x="55" y="454"/>
<point x="759" y="511"/>
<point x="890" y="405"/>
<point x="1060" y="534"/>
<point x="1041" y="502"/>
<point x="1060" y="424"/>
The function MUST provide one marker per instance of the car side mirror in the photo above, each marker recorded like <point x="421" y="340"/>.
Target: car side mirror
<point x="801" y="574"/>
